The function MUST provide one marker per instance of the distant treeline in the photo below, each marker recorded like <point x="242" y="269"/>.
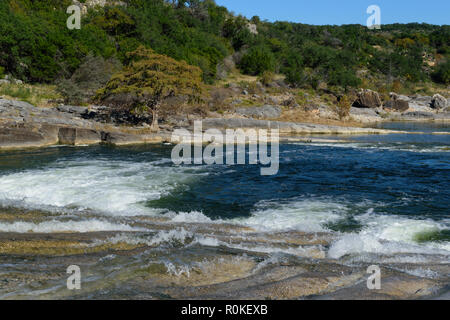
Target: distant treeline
<point x="36" y="45"/>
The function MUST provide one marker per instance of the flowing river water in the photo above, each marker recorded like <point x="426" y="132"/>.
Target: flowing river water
<point x="140" y="227"/>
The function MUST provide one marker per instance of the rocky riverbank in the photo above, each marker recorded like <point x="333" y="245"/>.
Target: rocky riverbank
<point x="369" y="108"/>
<point x="23" y="125"/>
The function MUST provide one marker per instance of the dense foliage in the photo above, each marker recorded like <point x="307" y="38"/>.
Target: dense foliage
<point x="36" y="46"/>
<point x="149" y="80"/>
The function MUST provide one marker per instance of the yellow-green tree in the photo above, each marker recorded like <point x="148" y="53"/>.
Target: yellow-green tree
<point x="150" y="79"/>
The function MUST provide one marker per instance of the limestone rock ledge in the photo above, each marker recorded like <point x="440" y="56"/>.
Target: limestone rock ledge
<point x="23" y="125"/>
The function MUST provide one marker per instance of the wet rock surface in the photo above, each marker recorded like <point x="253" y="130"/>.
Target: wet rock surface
<point x="167" y="262"/>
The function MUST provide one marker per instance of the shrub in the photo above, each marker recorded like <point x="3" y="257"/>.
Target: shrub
<point x="267" y="78"/>
<point x="93" y="74"/>
<point x="442" y="73"/>
<point x="257" y="60"/>
<point x="342" y="108"/>
<point x="293" y="69"/>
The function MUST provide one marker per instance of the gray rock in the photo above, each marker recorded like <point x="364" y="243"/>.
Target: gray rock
<point x="418" y="115"/>
<point x="397" y="105"/>
<point x="77" y="136"/>
<point x="73" y="109"/>
<point x="264" y="112"/>
<point x="395" y="96"/>
<point x="421" y="100"/>
<point x="28" y="136"/>
<point x="363" y="112"/>
<point x="120" y="138"/>
<point x="367" y="99"/>
<point x="283" y="127"/>
<point x="438" y="102"/>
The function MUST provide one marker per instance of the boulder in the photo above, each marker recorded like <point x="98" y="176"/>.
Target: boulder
<point x="395" y="96"/>
<point x="264" y="112"/>
<point x="397" y="105"/>
<point x="367" y="99"/>
<point x="438" y="102"/>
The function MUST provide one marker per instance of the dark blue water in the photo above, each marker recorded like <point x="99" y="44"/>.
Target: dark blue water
<point x="398" y="175"/>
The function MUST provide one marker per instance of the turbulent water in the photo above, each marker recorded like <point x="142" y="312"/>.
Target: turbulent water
<point x="141" y="227"/>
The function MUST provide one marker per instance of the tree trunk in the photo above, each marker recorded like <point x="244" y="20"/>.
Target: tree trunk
<point x="155" y="125"/>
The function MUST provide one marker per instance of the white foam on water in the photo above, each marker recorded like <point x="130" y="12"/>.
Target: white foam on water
<point x="172" y="237"/>
<point x="381" y="146"/>
<point x="308" y="215"/>
<point x="112" y="187"/>
<point x="66" y="226"/>
<point x="189" y="217"/>
<point x="390" y="235"/>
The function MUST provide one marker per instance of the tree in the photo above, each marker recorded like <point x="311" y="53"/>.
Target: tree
<point x="148" y="80"/>
<point x="257" y="60"/>
<point x="442" y="73"/>
<point x="293" y="69"/>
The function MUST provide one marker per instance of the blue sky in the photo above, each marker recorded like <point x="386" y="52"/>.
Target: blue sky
<point x="339" y="12"/>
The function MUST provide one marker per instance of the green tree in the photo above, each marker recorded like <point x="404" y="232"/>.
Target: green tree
<point x="148" y="80"/>
<point x="442" y="73"/>
<point x="257" y="60"/>
<point x="293" y="69"/>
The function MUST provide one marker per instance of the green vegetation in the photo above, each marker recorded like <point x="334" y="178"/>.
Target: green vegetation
<point x="342" y="108"/>
<point x="149" y="80"/>
<point x="442" y="73"/>
<point x="36" y="46"/>
<point x="257" y="60"/>
<point x="92" y="74"/>
<point x="39" y="94"/>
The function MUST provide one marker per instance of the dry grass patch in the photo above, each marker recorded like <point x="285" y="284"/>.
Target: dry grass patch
<point x="39" y="95"/>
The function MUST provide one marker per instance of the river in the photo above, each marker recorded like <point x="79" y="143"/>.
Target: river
<point x="141" y="227"/>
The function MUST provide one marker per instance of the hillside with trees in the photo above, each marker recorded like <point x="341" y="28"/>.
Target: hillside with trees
<point x="37" y="47"/>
